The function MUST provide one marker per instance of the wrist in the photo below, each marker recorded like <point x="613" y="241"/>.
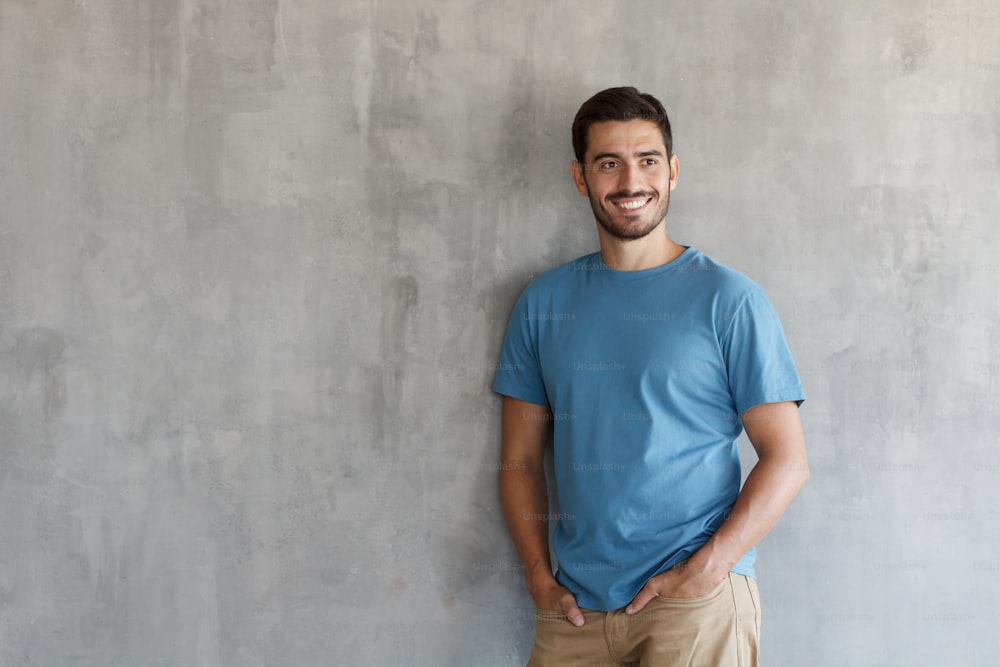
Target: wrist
<point x="710" y="559"/>
<point x="539" y="579"/>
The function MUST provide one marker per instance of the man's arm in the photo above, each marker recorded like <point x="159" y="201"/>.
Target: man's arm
<point x="775" y="431"/>
<point x="525" y="502"/>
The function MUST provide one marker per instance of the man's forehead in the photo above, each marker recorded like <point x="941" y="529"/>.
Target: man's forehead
<point x="615" y="136"/>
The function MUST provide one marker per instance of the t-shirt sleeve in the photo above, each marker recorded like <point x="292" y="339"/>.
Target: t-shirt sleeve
<point x="518" y="372"/>
<point x="757" y="358"/>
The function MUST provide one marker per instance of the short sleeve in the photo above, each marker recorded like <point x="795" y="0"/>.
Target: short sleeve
<point x="518" y="372"/>
<point x="758" y="361"/>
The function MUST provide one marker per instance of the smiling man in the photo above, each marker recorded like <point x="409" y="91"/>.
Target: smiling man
<point x="655" y="357"/>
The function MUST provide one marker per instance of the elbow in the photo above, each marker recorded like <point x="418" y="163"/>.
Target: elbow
<point x="513" y="472"/>
<point x="803" y="472"/>
<point x="793" y="470"/>
<point x="513" y="468"/>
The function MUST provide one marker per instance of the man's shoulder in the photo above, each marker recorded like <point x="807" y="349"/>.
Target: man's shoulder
<point x="718" y="277"/>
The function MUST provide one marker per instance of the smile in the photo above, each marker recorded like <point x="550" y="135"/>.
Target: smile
<point x="633" y="204"/>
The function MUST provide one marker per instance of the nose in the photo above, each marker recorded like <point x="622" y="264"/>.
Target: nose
<point x="629" y="178"/>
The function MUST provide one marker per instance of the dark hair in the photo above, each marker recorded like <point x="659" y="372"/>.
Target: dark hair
<point x="619" y="104"/>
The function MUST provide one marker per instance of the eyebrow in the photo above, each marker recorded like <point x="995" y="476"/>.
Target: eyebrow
<point x="653" y="153"/>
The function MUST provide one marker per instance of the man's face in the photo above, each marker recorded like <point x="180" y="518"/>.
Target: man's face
<point x="627" y="176"/>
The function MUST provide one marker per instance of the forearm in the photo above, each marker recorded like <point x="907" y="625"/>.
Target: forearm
<point x="766" y="494"/>
<point x="524" y="498"/>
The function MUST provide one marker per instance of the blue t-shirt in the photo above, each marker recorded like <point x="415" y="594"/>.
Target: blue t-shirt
<point x="646" y="373"/>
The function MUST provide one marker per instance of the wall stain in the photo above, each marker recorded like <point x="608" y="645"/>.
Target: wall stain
<point x="401" y="302"/>
<point x="38" y="354"/>
<point x="911" y="50"/>
<point x="397" y="585"/>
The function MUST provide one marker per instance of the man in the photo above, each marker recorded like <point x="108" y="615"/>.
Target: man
<point x="647" y="359"/>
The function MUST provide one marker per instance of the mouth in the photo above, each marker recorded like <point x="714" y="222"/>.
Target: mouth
<point x="632" y="204"/>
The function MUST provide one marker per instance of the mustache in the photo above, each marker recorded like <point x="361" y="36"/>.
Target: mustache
<point x="630" y="195"/>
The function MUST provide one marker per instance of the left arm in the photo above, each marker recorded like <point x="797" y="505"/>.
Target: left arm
<point x="775" y="431"/>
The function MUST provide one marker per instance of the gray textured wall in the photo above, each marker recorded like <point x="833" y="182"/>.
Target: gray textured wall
<point x="256" y="259"/>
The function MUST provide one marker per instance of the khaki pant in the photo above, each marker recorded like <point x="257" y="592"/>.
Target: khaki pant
<point x="721" y="629"/>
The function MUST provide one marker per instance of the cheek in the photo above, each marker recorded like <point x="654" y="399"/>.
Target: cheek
<point x="605" y="186"/>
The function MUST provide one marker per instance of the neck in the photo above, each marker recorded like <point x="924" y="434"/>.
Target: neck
<point x="655" y="249"/>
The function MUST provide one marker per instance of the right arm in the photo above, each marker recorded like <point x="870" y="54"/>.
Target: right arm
<point x="524" y="498"/>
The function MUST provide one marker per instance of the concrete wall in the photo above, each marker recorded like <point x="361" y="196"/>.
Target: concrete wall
<point x="256" y="259"/>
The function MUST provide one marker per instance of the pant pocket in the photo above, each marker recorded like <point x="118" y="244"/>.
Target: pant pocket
<point x="550" y="615"/>
<point x="716" y="592"/>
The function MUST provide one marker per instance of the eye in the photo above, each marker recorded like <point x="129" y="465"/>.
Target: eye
<point x="608" y="165"/>
<point x="650" y="161"/>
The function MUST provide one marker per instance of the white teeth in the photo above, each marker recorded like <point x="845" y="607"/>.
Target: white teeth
<point x="632" y="204"/>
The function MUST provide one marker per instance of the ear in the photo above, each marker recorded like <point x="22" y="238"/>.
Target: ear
<point x="675" y="170"/>
<point x="576" y="169"/>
